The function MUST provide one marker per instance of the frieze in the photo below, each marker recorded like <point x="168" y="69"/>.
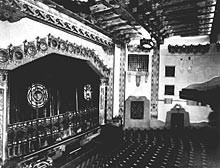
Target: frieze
<point x="15" y="56"/>
<point x="14" y="10"/>
<point x="187" y="49"/>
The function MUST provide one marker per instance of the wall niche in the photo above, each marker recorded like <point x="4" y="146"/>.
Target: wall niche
<point x="137" y="112"/>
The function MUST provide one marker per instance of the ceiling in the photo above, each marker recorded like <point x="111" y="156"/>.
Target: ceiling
<point x="121" y="19"/>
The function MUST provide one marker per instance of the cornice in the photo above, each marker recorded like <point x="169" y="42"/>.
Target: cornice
<point x="15" y="56"/>
<point x="14" y="10"/>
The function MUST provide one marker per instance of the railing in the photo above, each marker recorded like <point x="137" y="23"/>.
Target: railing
<point x="28" y="137"/>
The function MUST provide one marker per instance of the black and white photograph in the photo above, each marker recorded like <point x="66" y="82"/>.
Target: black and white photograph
<point x="109" y="84"/>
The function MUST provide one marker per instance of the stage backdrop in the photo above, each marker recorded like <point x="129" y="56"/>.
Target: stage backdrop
<point x="50" y="86"/>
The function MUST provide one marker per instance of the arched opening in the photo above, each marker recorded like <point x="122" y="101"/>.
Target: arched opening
<point x="63" y="79"/>
<point x="52" y="99"/>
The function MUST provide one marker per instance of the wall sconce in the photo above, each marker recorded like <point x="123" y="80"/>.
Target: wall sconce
<point x="147" y="44"/>
<point x="146" y="77"/>
<point x="190" y="64"/>
<point x="181" y="65"/>
<point x="138" y="79"/>
<point x="137" y="74"/>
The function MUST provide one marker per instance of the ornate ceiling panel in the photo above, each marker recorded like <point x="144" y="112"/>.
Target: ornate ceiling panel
<point x="166" y="18"/>
<point x="118" y="19"/>
<point x="107" y="15"/>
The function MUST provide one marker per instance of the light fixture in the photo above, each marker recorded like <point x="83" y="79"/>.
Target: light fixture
<point x="138" y="78"/>
<point x="147" y="43"/>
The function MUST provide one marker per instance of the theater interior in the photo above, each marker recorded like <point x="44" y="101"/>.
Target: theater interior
<point x="109" y="84"/>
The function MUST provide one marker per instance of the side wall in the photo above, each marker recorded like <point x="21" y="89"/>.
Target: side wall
<point x="189" y="69"/>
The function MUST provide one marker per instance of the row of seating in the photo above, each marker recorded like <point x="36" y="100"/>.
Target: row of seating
<point x="159" y="149"/>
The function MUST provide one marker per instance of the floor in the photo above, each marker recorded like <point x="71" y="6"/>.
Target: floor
<point x="179" y="148"/>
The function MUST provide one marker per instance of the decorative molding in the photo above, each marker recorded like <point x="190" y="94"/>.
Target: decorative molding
<point x="15" y="56"/>
<point x="3" y="77"/>
<point x="155" y="82"/>
<point x="188" y="49"/>
<point x="137" y="48"/>
<point x="2" y="117"/>
<point x="102" y="102"/>
<point x="122" y="82"/>
<point x="110" y="96"/>
<point x="10" y="11"/>
<point x="14" y="10"/>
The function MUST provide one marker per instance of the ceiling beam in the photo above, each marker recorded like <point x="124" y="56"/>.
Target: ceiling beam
<point x="215" y="25"/>
<point x="187" y="15"/>
<point x="168" y="4"/>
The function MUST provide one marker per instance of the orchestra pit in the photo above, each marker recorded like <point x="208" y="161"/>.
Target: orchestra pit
<point x="109" y="84"/>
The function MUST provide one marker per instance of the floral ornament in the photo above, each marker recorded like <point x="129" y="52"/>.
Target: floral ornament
<point x="16" y="53"/>
<point x="4" y="55"/>
<point x="52" y="41"/>
<point x="77" y="49"/>
<point x="42" y="44"/>
<point x="30" y="48"/>
<point x="63" y="45"/>
<point x="70" y="47"/>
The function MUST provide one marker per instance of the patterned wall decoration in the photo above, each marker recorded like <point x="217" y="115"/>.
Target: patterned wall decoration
<point x="1" y="122"/>
<point x="14" y="10"/>
<point x="87" y="92"/>
<point x="189" y="49"/>
<point x="15" y="56"/>
<point x="122" y="81"/>
<point x="137" y="109"/>
<point x="110" y="96"/>
<point x="3" y="83"/>
<point x="137" y="48"/>
<point x="102" y="101"/>
<point x="155" y="82"/>
<point x="37" y="95"/>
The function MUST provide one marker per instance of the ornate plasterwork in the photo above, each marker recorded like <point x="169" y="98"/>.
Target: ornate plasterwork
<point x="14" y="10"/>
<point x="3" y="86"/>
<point x="136" y="48"/>
<point x="15" y="56"/>
<point x="122" y="82"/>
<point x="10" y="11"/>
<point x="155" y="82"/>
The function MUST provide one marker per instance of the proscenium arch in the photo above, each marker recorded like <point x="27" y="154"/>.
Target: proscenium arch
<point x="62" y="76"/>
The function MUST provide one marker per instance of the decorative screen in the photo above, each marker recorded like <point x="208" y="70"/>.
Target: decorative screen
<point x="87" y="92"/>
<point x="137" y="109"/>
<point x="37" y="95"/>
<point x="138" y="62"/>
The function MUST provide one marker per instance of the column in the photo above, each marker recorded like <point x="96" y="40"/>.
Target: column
<point x="110" y="96"/>
<point x="122" y="82"/>
<point x="119" y="80"/>
<point x="116" y="81"/>
<point x="3" y="115"/>
<point x="155" y="81"/>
